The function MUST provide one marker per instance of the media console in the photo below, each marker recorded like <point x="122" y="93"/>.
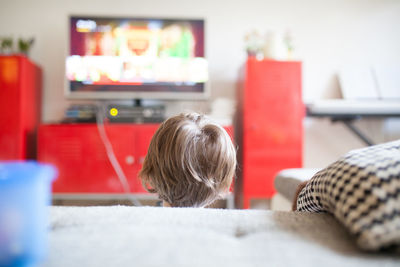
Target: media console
<point x="82" y="161"/>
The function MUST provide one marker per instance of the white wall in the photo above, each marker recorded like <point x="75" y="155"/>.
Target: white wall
<point x="328" y="34"/>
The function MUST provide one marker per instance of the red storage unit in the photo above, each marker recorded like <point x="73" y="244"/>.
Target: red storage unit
<point x="272" y="112"/>
<point x="20" y="93"/>
<point x="81" y="158"/>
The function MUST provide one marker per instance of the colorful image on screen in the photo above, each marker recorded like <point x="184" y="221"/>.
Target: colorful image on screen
<point x="121" y="54"/>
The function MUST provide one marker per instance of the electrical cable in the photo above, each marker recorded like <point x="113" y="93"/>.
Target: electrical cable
<point x="111" y="155"/>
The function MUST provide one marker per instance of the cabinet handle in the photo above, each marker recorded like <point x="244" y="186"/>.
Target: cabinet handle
<point x="254" y="127"/>
<point x="129" y="160"/>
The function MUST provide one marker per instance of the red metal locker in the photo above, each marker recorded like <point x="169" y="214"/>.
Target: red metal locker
<point x="20" y="86"/>
<point x="272" y="131"/>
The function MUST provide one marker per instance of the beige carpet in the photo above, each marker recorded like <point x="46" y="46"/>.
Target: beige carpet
<point x="150" y="236"/>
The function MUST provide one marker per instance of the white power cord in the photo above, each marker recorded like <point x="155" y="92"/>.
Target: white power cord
<point x="111" y="155"/>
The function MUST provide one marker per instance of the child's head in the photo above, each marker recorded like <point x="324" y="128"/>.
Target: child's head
<point x="190" y="162"/>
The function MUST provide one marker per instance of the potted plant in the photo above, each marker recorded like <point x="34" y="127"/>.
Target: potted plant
<point x="6" y="45"/>
<point x="24" y="45"/>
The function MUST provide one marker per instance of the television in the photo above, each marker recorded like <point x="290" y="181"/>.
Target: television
<point x="136" y="58"/>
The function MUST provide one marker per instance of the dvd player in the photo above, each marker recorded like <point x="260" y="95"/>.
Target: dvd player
<point x="136" y="114"/>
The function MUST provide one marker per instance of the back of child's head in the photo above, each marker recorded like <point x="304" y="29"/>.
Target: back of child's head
<point x="190" y="161"/>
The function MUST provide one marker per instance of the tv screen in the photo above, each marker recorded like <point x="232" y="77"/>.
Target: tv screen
<point x="118" y="58"/>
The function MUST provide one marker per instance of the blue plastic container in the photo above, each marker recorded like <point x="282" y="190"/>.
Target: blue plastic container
<point x="25" y="192"/>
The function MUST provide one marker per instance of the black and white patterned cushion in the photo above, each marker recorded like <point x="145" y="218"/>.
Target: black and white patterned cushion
<point x="362" y="190"/>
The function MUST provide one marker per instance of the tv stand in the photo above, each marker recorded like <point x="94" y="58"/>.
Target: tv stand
<point x="79" y="154"/>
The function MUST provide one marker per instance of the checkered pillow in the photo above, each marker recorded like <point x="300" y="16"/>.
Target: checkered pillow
<point x="362" y="190"/>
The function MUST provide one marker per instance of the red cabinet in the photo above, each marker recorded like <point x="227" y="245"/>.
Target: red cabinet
<point x="79" y="153"/>
<point x="20" y="86"/>
<point x="271" y="124"/>
<point x="81" y="157"/>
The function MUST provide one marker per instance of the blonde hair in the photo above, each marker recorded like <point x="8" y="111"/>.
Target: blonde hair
<point x="190" y="161"/>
